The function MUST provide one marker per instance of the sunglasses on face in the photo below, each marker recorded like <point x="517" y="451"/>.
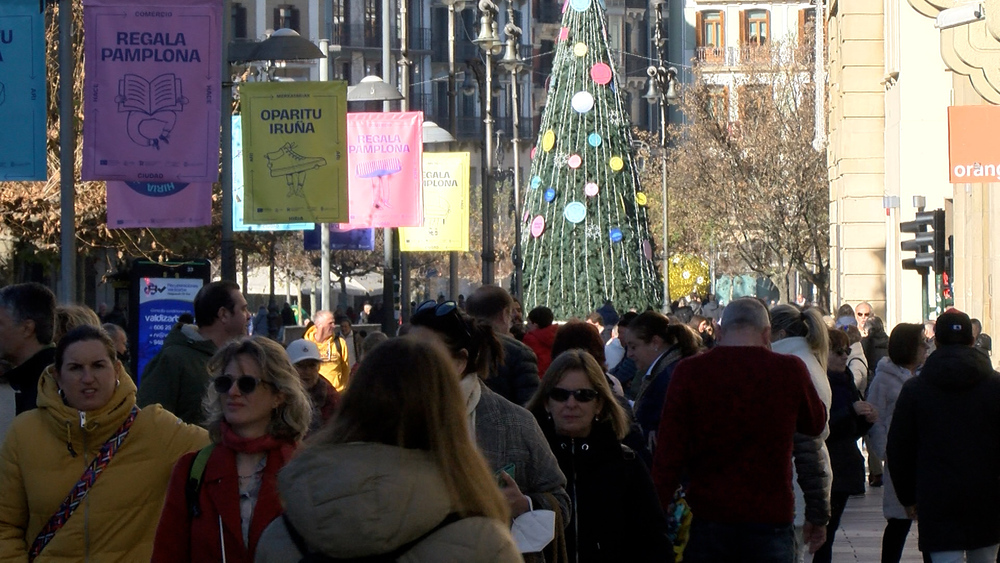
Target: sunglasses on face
<point x="560" y="395"/>
<point x="244" y="383"/>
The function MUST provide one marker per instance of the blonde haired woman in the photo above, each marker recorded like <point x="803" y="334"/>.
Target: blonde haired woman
<point x="395" y="474"/>
<point x="616" y="515"/>
<point x="256" y="413"/>
<point x="804" y="334"/>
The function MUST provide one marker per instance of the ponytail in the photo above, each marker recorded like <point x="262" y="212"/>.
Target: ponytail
<point x="818" y="335"/>
<point x="486" y="354"/>
<point x="685" y="337"/>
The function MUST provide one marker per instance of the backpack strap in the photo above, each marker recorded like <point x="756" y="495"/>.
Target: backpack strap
<point x="192" y="489"/>
<point x="308" y="556"/>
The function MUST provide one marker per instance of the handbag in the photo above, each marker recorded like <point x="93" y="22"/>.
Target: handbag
<point x="79" y="491"/>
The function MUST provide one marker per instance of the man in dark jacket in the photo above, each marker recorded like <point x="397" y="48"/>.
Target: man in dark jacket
<point x="943" y="448"/>
<point x="176" y="378"/>
<point x="517" y="378"/>
<point x="27" y="320"/>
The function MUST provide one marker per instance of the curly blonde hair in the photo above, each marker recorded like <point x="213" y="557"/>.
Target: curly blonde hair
<point x="290" y="421"/>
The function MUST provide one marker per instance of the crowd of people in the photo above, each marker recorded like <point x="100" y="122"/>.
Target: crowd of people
<point x="712" y="434"/>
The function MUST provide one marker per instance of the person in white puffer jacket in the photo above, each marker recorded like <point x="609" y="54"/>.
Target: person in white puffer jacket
<point x="803" y="334"/>
<point x="907" y="351"/>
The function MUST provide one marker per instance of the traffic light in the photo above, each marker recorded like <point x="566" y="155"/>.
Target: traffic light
<point x="928" y="242"/>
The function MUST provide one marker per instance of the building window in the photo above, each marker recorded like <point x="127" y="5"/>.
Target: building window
<point x="373" y="19"/>
<point x="718" y="103"/>
<point x="286" y="16"/>
<point x="338" y="21"/>
<point x="756" y="25"/>
<point x="710" y="35"/>
<point x="239" y="21"/>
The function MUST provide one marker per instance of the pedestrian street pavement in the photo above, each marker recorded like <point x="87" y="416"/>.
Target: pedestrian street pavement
<point x="859" y="538"/>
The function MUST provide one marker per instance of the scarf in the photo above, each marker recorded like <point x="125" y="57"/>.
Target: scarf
<point x="266" y="443"/>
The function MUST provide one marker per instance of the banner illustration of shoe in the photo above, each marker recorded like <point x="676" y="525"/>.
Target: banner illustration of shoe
<point x="293" y="166"/>
<point x="152" y="107"/>
<point x="378" y="170"/>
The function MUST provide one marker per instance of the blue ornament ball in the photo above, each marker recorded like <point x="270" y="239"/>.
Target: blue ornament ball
<point x="616" y="235"/>
<point x="550" y="195"/>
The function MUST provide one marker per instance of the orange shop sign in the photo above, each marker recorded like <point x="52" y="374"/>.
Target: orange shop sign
<point x="974" y="144"/>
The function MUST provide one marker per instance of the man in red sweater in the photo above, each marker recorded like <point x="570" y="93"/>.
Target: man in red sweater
<point x="540" y="336"/>
<point x="727" y="428"/>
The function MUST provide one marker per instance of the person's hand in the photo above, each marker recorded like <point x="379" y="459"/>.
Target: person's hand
<point x="866" y="410"/>
<point x="814" y="536"/>
<point x="911" y="512"/>
<point x="515" y="498"/>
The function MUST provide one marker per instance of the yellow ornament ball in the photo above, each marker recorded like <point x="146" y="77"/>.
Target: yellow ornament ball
<point x="688" y="274"/>
<point x="616" y="163"/>
<point x="640" y="198"/>
<point x="548" y="140"/>
<point x="580" y="49"/>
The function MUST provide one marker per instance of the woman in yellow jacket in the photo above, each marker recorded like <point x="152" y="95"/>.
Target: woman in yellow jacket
<point x="83" y="477"/>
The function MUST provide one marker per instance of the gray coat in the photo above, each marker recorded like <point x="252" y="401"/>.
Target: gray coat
<point x="508" y="434"/>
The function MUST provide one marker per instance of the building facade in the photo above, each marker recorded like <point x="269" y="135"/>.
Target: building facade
<point x="893" y="76"/>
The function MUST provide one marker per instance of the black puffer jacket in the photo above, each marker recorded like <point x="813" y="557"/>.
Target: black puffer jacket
<point x="846" y="426"/>
<point x="943" y="450"/>
<point x="616" y="515"/>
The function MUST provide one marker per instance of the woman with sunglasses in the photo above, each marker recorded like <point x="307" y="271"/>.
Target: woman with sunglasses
<point x="82" y="477"/>
<point x="907" y="351"/>
<point x="507" y="434"/>
<point x="616" y="514"/>
<point x="221" y="498"/>
<point x="850" y="419"/>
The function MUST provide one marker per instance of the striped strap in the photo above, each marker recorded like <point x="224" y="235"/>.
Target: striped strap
<point x="79" y="491"/>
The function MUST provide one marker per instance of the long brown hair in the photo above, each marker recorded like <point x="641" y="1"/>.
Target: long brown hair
<point x="406" y="394"/>
<point x="576" y="359"/>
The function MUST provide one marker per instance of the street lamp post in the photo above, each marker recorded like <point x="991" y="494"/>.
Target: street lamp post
<point x="489" y="42"/>
<point x="662" y="90"/>
<point x="513" y="64"/>
<point x="453" y="6"/>
<point x="371" y="89"/>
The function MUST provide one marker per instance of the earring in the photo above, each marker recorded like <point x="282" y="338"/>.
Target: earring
<point x="117" y="383"/>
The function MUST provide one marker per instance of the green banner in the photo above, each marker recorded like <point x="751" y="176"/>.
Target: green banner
<point x="294" y="147"/>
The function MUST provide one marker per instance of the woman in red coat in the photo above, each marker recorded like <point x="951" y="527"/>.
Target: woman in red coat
<point x="256" y="411"/>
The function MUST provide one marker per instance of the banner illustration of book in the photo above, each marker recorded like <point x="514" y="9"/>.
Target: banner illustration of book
<point x="378" y="171"/>
<point x="293" y="166"/>
<point x="152" y="107"/>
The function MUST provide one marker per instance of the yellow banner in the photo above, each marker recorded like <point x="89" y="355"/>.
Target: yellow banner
<point x="446" y="206"/>
<point x="295" y="152"/>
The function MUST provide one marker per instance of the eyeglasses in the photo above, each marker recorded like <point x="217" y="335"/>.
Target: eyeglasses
<point x="560" y="395"/>
<point x="441" y="316"/>
<point x="244" y="383"/>
<point x="843" y="351"/>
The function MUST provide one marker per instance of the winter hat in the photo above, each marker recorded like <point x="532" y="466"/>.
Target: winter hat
<point x="953" y="327"/>
<point x="303" y="349"/>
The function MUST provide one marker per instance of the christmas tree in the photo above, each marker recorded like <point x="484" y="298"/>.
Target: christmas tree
<point x="586" y="236"/>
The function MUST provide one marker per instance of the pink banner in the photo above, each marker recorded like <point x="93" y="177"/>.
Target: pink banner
<point x="152" y="81"/>
<point x="141" y="204"/>
<point x="384" y="154"/>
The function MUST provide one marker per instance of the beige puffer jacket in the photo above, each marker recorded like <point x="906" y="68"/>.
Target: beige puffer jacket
<point x="361" y="499"/>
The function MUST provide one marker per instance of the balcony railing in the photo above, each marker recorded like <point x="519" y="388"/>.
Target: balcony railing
<point x="360" y="36"/>
<point x="735" y="56"/>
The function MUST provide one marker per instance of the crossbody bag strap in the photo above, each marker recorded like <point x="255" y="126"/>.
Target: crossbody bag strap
<point x="82" y="487"/>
